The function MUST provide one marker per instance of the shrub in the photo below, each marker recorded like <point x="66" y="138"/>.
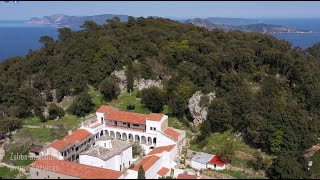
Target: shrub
<point x="55" y="111"/>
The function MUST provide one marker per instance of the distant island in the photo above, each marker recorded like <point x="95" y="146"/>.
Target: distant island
<point x="227" y="24"/>
<point x="73" y="22"/>
<point x="210" y="23"/>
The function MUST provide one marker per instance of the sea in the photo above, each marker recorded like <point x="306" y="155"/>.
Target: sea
<point x="17" y="37"/>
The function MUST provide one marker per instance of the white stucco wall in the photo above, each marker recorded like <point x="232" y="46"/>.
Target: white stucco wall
<point x="163" y="140"/>
<point x="174" y="153"/>
<point x="104" y="143"/>
<point x="112" y="163"/>
<point x="53" y="152"/>
<point x="218" y="167"/>
<point x="92" y="161"/>
<point x="197" y="165"/>
<point x="151" y="173"/>
<point x="153" y="124"/>
<point x="99" y="116"/>
<point x="126" y="157"/>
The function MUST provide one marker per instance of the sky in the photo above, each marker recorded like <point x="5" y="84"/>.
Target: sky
<point x="24" y="10"/>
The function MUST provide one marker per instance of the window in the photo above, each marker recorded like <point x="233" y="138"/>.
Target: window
<point x="124" y="123"/>
<point x="37" y="173"/>
<point x="154" y="128"/>
<point x="58" y="177"/>
<point x="137" y="125"/>
<point x="129" y="163"/>
<point x="48" y="177"/>
<point x="150" y="128"/>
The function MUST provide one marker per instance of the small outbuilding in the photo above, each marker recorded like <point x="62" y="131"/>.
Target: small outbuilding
<point x="216" y="163"/>
<point x="200" y="160"/>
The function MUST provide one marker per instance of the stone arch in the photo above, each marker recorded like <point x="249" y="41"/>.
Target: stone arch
<point x="130" y="137"/>
<point x="106" y="132"/>
<point x="137" y="138"/>
<point x="112" y="135"/>
<point x="143" y="140"/>
<point x="149" y="141"/>
<point x="124" y="136"/>
<point x="118" y="135"/>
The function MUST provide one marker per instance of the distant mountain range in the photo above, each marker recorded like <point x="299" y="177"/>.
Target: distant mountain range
<point x="227" y="24"/>
<point x="74" y="22"/>
<point x="224" y="23"/>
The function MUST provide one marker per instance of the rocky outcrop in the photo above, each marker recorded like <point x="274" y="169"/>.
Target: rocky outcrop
<point x="138" y="83"/>
<point x="199" y="110"/>
<point x="123" y="79"/>
<point x="147" y="83"/>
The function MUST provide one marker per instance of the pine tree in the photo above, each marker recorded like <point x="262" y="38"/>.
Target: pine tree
<point x="141" y="173"/>
<point x="130" y="76"/>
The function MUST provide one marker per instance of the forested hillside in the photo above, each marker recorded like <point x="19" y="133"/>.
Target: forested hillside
<point x="264" y="89"/>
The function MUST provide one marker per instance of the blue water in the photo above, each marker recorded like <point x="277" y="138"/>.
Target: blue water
<point x="302" y="40"/>
<point x="16" y="37"/>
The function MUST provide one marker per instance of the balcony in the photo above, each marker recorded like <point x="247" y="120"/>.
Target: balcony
<point x="125" y="128"/>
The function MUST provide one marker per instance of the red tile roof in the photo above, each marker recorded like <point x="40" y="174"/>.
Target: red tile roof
<point x="163" y="171"/>
<point x="77" y="135"/>
<point x="161" y="149"/>
<point x="186" y="176"/>
<point x="216" y="160"/>
<point x="146" y="163"/>
<point x="155" y="116"/>
<point x="105" y="109"/>
<point x="74" y="169"/>
<point x="172" y="133"/>
<point x="127" y="117"/>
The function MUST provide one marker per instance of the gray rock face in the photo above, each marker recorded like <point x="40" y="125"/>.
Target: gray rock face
<point x="123" y="79"/>
<point x="198" y="111"/>
<point x="139" y="83"/>
<point x="147" y="83"/>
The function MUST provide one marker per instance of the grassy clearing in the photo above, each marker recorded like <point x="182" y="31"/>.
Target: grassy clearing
<point x="96" y="97"/>
<point x="17" y="153"/>
<point x="41" y="134"/>
<point x="315" y="168"/>
<point x="33" y="121"/>
<point x="235" y="174"/>
<point x="66" y="103"/>
<point x="126" y="99"/>
<point x="70" y="121"/>
<point x="7" y="173"/>
<point x="175" y="123"/>
<point x="217" y="140"/>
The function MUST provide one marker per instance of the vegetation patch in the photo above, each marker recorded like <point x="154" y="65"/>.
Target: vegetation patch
<point x="127" y="99"/>
<point x="7" y="173"/>
<point x="41" y="134"/>
<point x="315" y="168"/>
